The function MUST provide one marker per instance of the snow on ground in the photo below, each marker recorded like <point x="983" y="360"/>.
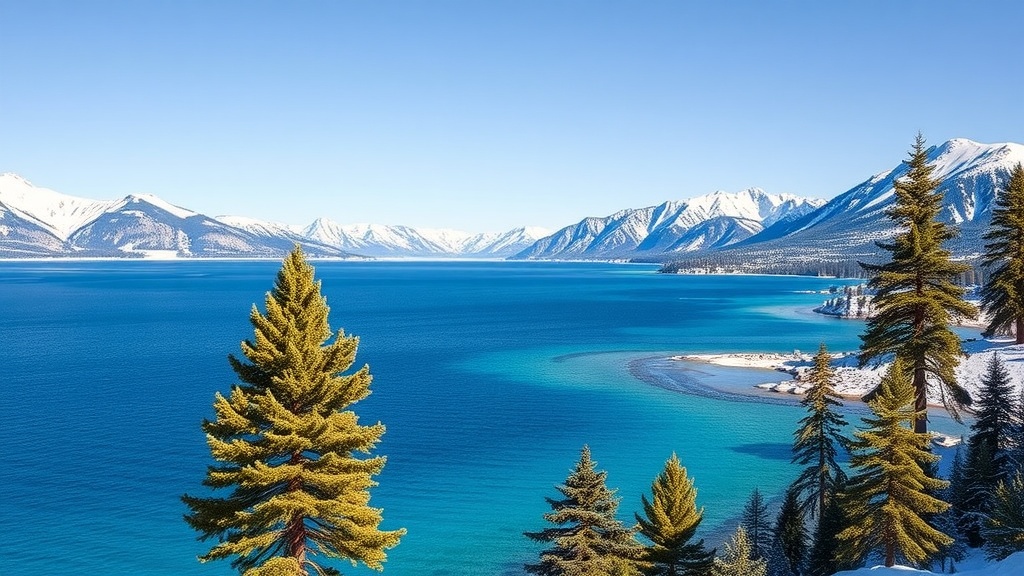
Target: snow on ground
<point x="1011" y="566"/>
<point x="852" y="381"/>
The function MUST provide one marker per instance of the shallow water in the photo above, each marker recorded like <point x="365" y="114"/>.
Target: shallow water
<point x="490" y="376"/>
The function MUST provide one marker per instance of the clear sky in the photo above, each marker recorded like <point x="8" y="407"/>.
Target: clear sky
<point x="484" y="115"/>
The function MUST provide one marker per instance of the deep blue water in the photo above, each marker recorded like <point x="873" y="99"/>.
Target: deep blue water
<point x="490" y="376"/>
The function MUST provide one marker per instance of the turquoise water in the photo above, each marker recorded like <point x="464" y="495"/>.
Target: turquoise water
<point x="490" y="376"/>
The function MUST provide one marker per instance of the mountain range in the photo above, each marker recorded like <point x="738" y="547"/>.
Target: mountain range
<point x="750" y="226"/>
<point x="970" y="177"/>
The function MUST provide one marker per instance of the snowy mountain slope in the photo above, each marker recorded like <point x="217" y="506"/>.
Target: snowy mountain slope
<point x="23" y="238"/>
<point x="970" y="174"/>
<point x="504" y="244"/>
<point x="146" y="223"/>
<point x="58" y="213"/>
<point x="402" y="241"/>
<point x="40" y="222"/>
<point x="657" y="229"/>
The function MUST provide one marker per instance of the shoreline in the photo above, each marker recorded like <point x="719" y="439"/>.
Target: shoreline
<point x="851" y="382"/>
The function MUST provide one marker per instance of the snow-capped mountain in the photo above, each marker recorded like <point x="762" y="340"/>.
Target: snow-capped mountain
<point x="713" y="220"/>
<point x="970" y="176"/>
<point x="401" y="241"/>
<point x="38" y="222"/>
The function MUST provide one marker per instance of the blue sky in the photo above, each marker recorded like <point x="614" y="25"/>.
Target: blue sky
<point x="484" y="115"/>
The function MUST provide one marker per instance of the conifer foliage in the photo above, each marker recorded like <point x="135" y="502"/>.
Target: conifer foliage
<point x="888" y="495"/>
<point x="790" y="537"/>
<point x="288" y="446"/>
<point x="1002" y="297"/>
<point x="737" y="560"/>
<point x="915" y="295"/>
<point x="670" y="521"/>
<point x="757" y="525"/>
<point x="817" y="438"/>
<point x="1004" y="532"/>
<point x="586" y="536"/>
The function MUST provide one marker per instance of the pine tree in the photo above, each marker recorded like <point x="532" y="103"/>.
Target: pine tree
<point x="1004" y="531"/>
<point x="1016" y="449"/>
<point x="670" y="521"/>
<point x="790" y="535"/>
<point x="757" y="525"/>
<point x="819" y="434"/>
<point x="285" y="443"/>
<point x="587" y="537"/>
<point x="1002" y="296"/>
<point x="979" y="481"/>
<point x="738" y="560"/>
<point x="994" y="417"/>
<point x="915" y="297"/>
<point x="887" y="496"/>
<point x="823" y="559"/>
<point x="988" y="460"/>
<point x="952" y="522"/>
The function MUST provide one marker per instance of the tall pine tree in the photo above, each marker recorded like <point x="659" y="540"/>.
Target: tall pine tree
<point x="587" y="538"/>
<point x="887" y="496"/>
<point x="286" y="445"/>
<point x="988" y="449"/>
<point x="1002" y="296"/>
<point x="790" y="536"/>
<point x="822" y="559"/>
<point x="817" y="439"/>
<point x="757" y="525"/>
<point x="670" y="522"/>
<point x="915" y="295"/>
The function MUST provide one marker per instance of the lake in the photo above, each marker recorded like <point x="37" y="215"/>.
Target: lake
<point x="490" y="377"/>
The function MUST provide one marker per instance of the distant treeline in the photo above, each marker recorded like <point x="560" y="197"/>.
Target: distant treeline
<point x="847" y="268"/>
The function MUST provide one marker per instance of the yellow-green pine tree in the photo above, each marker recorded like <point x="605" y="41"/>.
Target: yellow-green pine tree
<point x="818" y="437"/>
<point x="587" y="538"/>
<point x="670" y="521"/>
<point x="1003" y="295"/>
<point x="289" y="448"/>
<point x="889" y="492"/>
<point x="915" y="298"/>
<point x="738" y="558"/>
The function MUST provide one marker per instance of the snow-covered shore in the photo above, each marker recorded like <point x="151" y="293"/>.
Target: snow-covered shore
<point x="1010" y="566"/>
<point x="852" y="381"/>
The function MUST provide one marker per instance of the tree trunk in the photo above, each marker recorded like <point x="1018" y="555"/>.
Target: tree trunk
<point x="921" y="401"/>
<point x="1020" y="329"/>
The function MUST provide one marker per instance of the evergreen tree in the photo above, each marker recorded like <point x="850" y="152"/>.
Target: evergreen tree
<point x="670" y="521"/>
<point x="285" y="443"/>
<point x="915" y="297"/>
<point x="988" y="460"/>
<point x="994" y="417"/>
<point x="979" y="481"/>
<point x="790" y="536"/>
<point x="1016" y="449"/>
<point x="737" y="560"/>
<point x="1002" y="296"/>
<point x="1004" y="531"/>
<point x="887" y="496"/>
<point x="757" y="526"/>
<point x="952" y="522"/>
<point x="823" y="559"/>
<point x="819" y="434"/>
<point x="587" y="537"/>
